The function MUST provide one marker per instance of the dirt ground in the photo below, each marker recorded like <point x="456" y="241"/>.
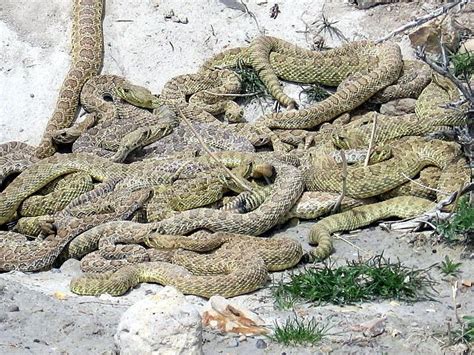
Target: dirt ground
<point x="38" y="313"/>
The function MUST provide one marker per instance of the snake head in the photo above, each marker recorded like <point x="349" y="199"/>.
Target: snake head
<point x="137" y="96"/>
<point x="380" y="154"/>
<point x="340" y="141"/>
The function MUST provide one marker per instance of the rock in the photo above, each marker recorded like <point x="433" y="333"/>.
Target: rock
<point x="467" y="46"/>
<point x="71" y="268"/>
<point x="164" y="323"/>
<point x="430" y="35"/>
<point x="13" y="308"/>
<point x="365" y="4"/>
<point x="242" y="338"/>
<point x="261" y="344"/>
<point x="171" y="16"/>
<point x="373" y="328"/>
<point x="233" y="343"/>
<point x="398" y="107"/>
<point x="3" y="317"/>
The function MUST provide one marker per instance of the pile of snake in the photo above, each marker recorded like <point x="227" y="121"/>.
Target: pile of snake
<point x="178" y="189"/>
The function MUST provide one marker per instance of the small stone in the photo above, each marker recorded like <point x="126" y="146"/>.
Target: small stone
<point x="261" y="344"/>
<point x="13" y="308"/>
<point x="3" y="317"/>
<point x="71" y="268"/>
<point x="467" y="46"/>
<point x="233" y="343"/>
<point x="429" y="36"/>
<point x="32" y="95"/>
<point x="365" y="4"/>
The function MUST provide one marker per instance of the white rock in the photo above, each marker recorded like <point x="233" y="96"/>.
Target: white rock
<point x="164" y="323"/>
<point x="467" y="46"/>
<point x="71" y="268"/>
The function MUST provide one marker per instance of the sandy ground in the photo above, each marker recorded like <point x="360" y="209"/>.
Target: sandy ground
<point x="147" y="49"/>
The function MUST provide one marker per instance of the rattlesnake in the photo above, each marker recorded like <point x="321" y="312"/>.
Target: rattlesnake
<point x="38" y="254"/>
<point x="87" y="47"/>
<point x="401" y="207"/>
<point x="240" y="265"/>
<point x="121" y="123"/>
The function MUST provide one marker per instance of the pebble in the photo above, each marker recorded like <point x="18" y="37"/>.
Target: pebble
<point x="13" y="308"/>
<point x="233" y="343"/>
<point x="71" y="268"/>
<point x="261" y="344"/>
<point x="3" y="317"/>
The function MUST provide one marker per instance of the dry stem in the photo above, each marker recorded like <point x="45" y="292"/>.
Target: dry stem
<point x="371" y="142"/>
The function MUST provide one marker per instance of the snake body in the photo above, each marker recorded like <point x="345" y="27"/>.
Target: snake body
<point x="200" y="274"/>
<point x="87" y="47"/>
<point x="401" y="207"/>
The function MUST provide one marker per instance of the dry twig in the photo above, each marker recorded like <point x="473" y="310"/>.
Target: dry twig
<point x="371" y="142"/>
<point x="421" y="20"/>
<point x="252" y="15"/>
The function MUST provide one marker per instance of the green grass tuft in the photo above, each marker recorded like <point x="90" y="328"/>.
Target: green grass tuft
<point x="463" y="64"/>
<point x="463" y="333"/>
<point x="376" y="278"/>
<point x="251" y="83"/>
<point x="297" y="331"/>
<point x="315" y="93"/>
<point x="459" y="227"/>
<point x="449" y="267"/>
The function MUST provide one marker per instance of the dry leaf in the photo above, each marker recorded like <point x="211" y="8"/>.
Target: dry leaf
<point x="60" y="295"/>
